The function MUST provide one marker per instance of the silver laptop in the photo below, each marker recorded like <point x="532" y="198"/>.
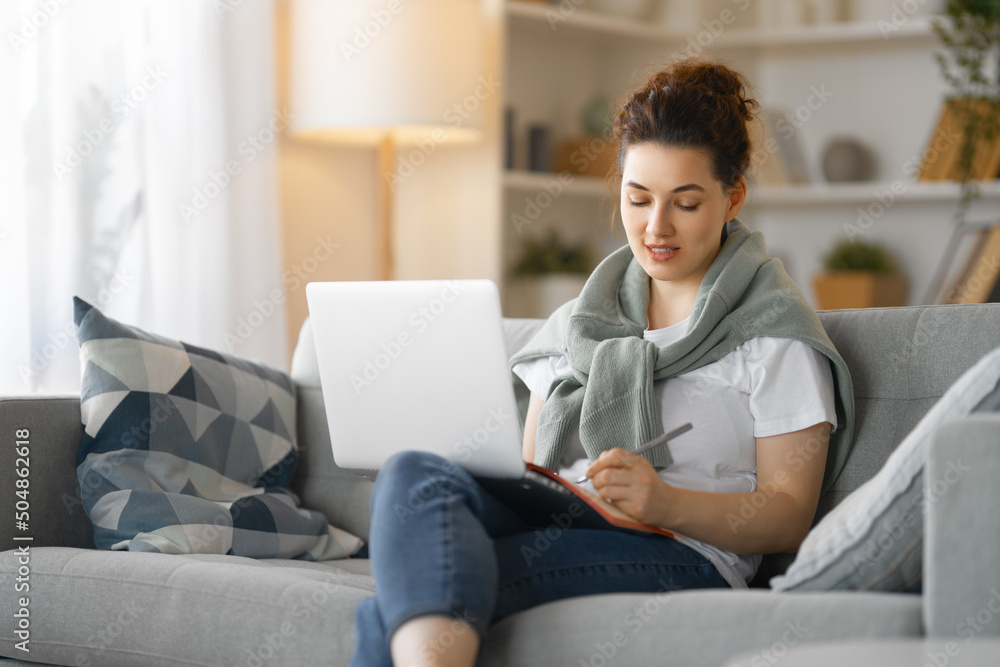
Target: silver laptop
<point x="422" y="364"/>
<point x="416" y="364"/>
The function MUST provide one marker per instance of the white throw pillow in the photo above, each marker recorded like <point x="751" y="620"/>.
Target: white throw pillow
<point x="873" y="540"/>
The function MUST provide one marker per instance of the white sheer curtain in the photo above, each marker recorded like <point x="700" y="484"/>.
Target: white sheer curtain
<point x="137" y="144"/>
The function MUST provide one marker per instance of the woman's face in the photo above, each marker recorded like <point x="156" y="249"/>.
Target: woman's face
<point x="673" y="210"/>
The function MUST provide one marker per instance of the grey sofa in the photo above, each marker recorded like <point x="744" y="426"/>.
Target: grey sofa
<point x="90" y="607"/>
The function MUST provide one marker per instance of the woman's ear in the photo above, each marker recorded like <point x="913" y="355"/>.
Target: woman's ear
<point x="737" y="198"/>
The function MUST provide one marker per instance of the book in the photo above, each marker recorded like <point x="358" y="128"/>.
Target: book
<point x="942" y="147"/>
<point x="767" y="167"/>
<point x="983" y="276"/>
<point x="993" y="164"/>
<point x="543" y="499"/>
<point x="984" y="150"/>
<point x="790" y="158"/>
<point x="964" y="257"/>
<point x="994" y="296"/>
<point x="980" y="161"/>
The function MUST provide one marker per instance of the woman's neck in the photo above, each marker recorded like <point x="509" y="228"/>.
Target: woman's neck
<point x="669" y="303"/>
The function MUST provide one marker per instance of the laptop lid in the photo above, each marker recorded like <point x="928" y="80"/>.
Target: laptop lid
<point x="416" y="364"/>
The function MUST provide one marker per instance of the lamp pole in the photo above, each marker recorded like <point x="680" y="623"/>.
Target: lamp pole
<point x="386" y="167"/>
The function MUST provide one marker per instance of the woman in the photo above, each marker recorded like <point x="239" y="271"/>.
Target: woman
<point x="689" y="322"/>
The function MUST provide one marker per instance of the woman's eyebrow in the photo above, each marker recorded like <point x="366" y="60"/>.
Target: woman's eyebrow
<point x="679" y="188"/>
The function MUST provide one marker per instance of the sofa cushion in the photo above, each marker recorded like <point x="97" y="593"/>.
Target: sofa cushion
<point x="186" y="450"/>
<point x="694" y="628"/>
<point x="114" y="608"/>
<point x="109" y="608"/>
<point x="873" y="540"/>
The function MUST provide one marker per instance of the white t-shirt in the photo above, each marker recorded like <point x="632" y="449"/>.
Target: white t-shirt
<point x="765" y="387"/>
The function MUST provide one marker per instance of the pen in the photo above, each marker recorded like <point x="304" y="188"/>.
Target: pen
<point x="658" y="440"/>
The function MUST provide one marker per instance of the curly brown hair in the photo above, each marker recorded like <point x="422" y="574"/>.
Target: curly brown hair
<point x="691" y="103"/>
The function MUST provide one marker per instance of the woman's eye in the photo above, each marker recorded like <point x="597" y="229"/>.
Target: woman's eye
<point x="637" y="203"/>
<point x="692" y="207"/>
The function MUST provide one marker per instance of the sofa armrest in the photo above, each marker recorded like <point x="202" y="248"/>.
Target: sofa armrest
<point x="56" y="516"/>
<point x="962" y="544"/>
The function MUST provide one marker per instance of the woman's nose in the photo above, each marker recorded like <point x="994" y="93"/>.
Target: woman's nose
<point x="659" y="223"/>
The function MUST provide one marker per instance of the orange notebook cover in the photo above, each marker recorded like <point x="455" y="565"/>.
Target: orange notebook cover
<point x="543" y="498"/>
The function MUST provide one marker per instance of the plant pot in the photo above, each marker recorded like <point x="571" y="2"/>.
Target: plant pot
<point x="539" y="296"/>
<point x="858" y="289"/>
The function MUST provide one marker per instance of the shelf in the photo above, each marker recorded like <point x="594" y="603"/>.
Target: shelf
<point x="889" y="94"/>
<point x="551" y="18"/>
<point x="826" y="194"/>
<point x="829" y="34"/>
<point x="770" y="196"/>
<point x="573" y="184"/>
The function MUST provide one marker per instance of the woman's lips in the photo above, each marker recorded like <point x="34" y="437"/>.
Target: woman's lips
<point x="661" y="253"/>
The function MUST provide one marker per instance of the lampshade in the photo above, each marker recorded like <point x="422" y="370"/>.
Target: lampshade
<point x="365" y="69"/>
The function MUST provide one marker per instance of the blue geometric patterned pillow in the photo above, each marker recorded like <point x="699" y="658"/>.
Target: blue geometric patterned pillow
<point x="186" y="450"/>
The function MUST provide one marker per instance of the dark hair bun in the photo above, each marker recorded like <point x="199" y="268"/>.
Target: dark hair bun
<point x="692" y="103"/>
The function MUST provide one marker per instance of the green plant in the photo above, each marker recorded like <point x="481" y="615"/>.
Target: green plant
<point x="550" y="254"/>
<point x="598" y="115"/>
<point x="859" y="256"/>
<point x="971" y="66"/>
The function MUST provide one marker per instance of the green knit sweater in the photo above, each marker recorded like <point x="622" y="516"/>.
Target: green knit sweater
<point x="609" y="390"/>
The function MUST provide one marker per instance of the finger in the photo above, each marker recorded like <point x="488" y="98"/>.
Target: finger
<point x="606" y="477"/>
<point x="622" y="458"/>
<point x="611" y="458"/>
<point x="615" y="493"/>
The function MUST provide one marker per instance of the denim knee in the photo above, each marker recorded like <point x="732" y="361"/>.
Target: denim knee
<point x="416" y="474"/>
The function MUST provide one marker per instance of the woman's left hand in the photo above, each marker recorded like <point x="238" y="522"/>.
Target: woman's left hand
<point x="630" y="483"/>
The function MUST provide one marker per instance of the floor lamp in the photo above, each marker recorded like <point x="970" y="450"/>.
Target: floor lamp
<point x="389" y="75"/>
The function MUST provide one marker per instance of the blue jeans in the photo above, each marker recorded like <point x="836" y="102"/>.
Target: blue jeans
<point x="440" y="544"/>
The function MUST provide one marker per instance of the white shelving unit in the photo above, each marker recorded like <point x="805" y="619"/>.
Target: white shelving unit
<point x="532" y="181"/>
<point x="818" y="194"/>
<point x="543" y="17"/>
<point x="880" y="86"/>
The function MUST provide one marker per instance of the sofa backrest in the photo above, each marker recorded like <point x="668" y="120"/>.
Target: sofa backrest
<point x="901" y="361"/>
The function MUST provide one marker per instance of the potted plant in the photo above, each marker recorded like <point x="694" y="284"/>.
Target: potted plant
<point x="550" y="273"/>
<point x="859" y="275"/>
<point x="970" y="33"/>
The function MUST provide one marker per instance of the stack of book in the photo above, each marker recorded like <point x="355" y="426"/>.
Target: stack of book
<point x="941" y="157"/>
<point x="779" y="158"/>
<point x="974" y="272"/>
